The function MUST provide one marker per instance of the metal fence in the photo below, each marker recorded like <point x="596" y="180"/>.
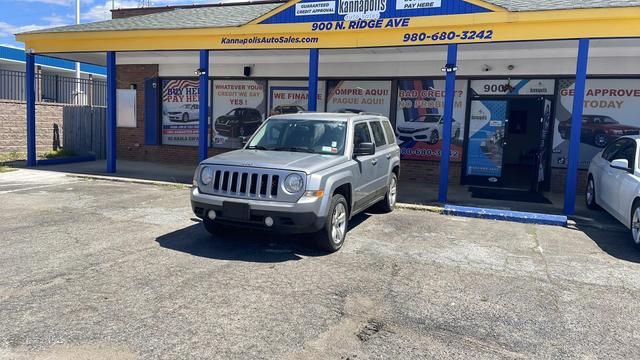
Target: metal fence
<point x="54" y="89"/>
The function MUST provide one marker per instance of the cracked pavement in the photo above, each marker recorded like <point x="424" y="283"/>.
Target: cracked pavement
<point x="102" y="270"/>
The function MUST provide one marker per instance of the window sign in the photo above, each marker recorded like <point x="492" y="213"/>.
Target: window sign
<point x="286" y="97"/>
<point x="239" y="108"/>
<point x="180" y="112"/>
<point x="610" y="111"/>
<point x="513" y="87"/>
<point x="486" y="136"/>
<point x="359" y="96"/>
<point x="419" y="119"/>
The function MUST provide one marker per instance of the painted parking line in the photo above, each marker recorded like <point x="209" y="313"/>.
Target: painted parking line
<point x="35" y="187"/>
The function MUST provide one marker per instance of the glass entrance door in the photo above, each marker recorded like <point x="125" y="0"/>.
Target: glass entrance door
<point x="487" y="138"/>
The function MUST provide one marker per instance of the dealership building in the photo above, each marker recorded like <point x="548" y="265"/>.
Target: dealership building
<point x="508" y="95"/>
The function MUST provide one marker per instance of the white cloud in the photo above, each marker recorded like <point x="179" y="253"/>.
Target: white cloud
<point x="58" y="2"/>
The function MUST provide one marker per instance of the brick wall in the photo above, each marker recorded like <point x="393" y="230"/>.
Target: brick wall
<point x="558" y="181"/>
<point x="13" y="126"/>
<point x="131" y="140"/>
<point x="428" y="171"/>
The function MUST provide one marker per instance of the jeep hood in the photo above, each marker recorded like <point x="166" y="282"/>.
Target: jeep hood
<point x="297" y="161"/>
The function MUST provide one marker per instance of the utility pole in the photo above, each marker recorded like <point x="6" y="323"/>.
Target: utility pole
<point x="78" y="88"/>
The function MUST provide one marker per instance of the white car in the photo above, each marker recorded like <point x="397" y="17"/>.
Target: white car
<point x="614" y="183"/>
<point x="426" y="128"/>
<point x="184" y="113"/>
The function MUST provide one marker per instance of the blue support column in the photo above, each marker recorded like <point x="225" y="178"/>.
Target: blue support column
<point x="576" y="127"/>
<point x="31" y="108"/>
<point x="111" y="111"/>
<point x="450" y="87"/>
<point x="313" y="80"/>
<point x="203" y="99"/>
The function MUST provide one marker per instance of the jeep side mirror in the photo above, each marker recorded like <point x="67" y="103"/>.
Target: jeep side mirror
<point x="364" y="149"/>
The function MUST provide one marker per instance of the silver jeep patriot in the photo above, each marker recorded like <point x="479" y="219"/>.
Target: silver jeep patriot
<point x="301" y="173"/>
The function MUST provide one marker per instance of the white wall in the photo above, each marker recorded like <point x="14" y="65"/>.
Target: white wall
<point x="607" y="57"/>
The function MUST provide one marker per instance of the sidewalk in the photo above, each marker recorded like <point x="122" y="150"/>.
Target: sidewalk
<point x="130" y="169"/>
<point x="409" y="193"/>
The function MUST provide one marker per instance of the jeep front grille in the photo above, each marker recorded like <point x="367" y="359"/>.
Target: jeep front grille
<point x="251" y="183"/>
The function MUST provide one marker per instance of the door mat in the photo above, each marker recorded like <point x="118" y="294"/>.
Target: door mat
<point x="508" y="195"/>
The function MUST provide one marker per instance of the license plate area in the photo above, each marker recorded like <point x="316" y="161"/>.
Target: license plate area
<point x="236" y="211"/>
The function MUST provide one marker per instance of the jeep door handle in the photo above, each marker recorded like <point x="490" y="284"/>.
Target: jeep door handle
<point x="388" y="156"/>
<point x="374" y="162"/>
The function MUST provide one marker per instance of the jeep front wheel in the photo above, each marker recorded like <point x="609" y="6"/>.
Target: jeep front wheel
<point x="332" y="235"/>
<point x="214" y="228"/>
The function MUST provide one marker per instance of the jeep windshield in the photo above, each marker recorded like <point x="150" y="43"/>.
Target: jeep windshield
<point x="310" y="136"/>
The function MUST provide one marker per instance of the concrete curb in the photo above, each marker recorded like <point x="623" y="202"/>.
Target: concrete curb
<point x="65" y="160"/>
<point x="130" y="180"/>
<point x="417" y="207"/>
<point x="506" y="215"/>
<point x="481" y="213"/>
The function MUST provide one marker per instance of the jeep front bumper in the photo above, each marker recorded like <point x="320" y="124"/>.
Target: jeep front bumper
<point x="299" y="217"/>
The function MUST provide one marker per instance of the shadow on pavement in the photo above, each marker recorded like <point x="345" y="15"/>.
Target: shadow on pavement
<point x="609" y="234"/>
<point x="246" y="245"/>
<point x="615" y="242"/>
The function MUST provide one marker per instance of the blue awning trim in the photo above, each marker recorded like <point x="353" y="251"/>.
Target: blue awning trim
<point x="14" y="54"/>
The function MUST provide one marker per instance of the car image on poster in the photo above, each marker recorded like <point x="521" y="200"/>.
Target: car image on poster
<point x="610" y="111"/>
<point x="239" y="108"/>
<point x="180" y="112"/>
<point x="419" y="119"/>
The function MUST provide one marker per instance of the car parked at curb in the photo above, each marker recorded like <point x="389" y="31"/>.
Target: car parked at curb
<point x="598" y="130"/>
<point x="426" y="128"/>
<point x="613" y="183"/>
<point x="301" y="173"/>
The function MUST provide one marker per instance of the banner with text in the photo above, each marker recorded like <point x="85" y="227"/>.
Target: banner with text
<point x="356" y="96"/>
<point x="180" y="112"/>
<point x="239" y="107"/>
<point x="419" y="121"/>
<point x="610" y="111"/>
<point x="286" y="97"/>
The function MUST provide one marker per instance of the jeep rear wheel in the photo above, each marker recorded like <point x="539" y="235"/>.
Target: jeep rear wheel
<point x="389" y="202"/>
<point x="332" y="236"/>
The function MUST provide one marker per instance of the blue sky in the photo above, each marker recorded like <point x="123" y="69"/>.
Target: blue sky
<point x="24" y="15"/>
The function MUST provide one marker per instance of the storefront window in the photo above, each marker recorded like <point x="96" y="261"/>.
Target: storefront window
<point x="610" y="111"/>
<point x="288" y="96"/>
<point x="419" y="119"/>
<point x="356" y="96"/>
<point x="239" y="108"/>
<point x="180" y="112"/>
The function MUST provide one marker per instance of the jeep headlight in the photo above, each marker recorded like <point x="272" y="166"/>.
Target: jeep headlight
<point x="293" y="183"/>
<point x="206" y="175"/>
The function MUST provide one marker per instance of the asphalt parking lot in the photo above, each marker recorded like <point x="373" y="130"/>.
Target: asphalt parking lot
<point x="100" y="270"/>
